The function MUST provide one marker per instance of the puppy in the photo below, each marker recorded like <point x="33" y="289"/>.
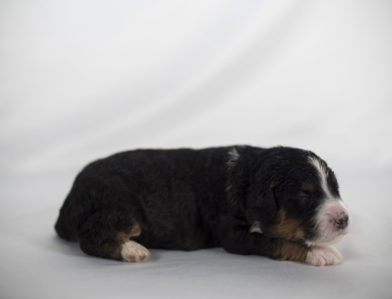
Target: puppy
<point x="279" y="202"/>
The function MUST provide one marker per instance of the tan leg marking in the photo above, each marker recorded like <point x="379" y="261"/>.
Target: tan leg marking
<point x="116" y="249"/>
<point x="291" y="251"/>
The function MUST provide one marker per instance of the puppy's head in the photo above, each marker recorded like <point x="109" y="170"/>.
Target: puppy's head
<point x="288" y="193"/>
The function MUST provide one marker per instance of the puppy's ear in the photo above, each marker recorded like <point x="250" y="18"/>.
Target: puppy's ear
<point x="263" y="207"/>
<point x="244" y="192"/>
<point x="270" y="204"/>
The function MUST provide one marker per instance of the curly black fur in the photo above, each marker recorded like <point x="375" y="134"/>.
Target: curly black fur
<point x="190" y="199"/>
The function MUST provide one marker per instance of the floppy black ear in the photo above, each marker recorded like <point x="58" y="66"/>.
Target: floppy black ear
<point x="262" y="206"/>
<point x="247" y="191"/>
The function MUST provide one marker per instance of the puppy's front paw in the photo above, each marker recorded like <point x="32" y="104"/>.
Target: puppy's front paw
<point x="323" y="256"/>
<point x="134" y="252"/>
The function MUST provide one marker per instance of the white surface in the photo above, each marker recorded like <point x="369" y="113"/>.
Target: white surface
<point x="83" y="79"/>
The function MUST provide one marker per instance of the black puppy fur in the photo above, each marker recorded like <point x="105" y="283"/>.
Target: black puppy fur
<point x="190" y="199"/>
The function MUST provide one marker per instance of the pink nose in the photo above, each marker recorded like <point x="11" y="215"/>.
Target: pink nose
<point x="341" y="222"/>
<point x="337" y="215"/>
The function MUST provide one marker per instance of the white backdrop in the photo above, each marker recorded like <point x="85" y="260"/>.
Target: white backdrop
<point x="83" y="79"/>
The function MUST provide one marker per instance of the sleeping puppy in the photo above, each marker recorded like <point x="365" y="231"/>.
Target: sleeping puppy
<point x="279" y="202"/>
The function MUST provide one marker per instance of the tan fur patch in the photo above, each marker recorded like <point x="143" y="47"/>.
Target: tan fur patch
<point x="287" y="228"/>
<point x="122" y="237"/>
<point x="291" y="251"/>
<point x="134" y="231"/>
<point x="307" y="186"/>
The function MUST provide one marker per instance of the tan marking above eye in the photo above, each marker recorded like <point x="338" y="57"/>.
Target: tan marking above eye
<point x="307" y="187"/>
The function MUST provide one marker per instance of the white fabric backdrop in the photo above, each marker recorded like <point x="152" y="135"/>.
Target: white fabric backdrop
<point x="83" y="79"/>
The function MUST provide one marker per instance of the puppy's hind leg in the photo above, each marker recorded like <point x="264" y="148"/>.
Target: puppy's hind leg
<point x="99" y="239"/>
<point x="132" y="251"/>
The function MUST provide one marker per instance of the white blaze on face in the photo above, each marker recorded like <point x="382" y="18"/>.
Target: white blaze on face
<point x="330" y="212"/>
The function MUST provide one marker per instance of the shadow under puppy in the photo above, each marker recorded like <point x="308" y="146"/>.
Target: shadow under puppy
<point x="279" y="202"/>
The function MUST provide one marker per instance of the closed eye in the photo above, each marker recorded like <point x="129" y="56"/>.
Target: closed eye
<point x="305" y="195"/>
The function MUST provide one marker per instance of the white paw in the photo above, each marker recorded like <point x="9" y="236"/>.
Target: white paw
<point x="134" y="252"/>
<point x="323" y="256"/>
